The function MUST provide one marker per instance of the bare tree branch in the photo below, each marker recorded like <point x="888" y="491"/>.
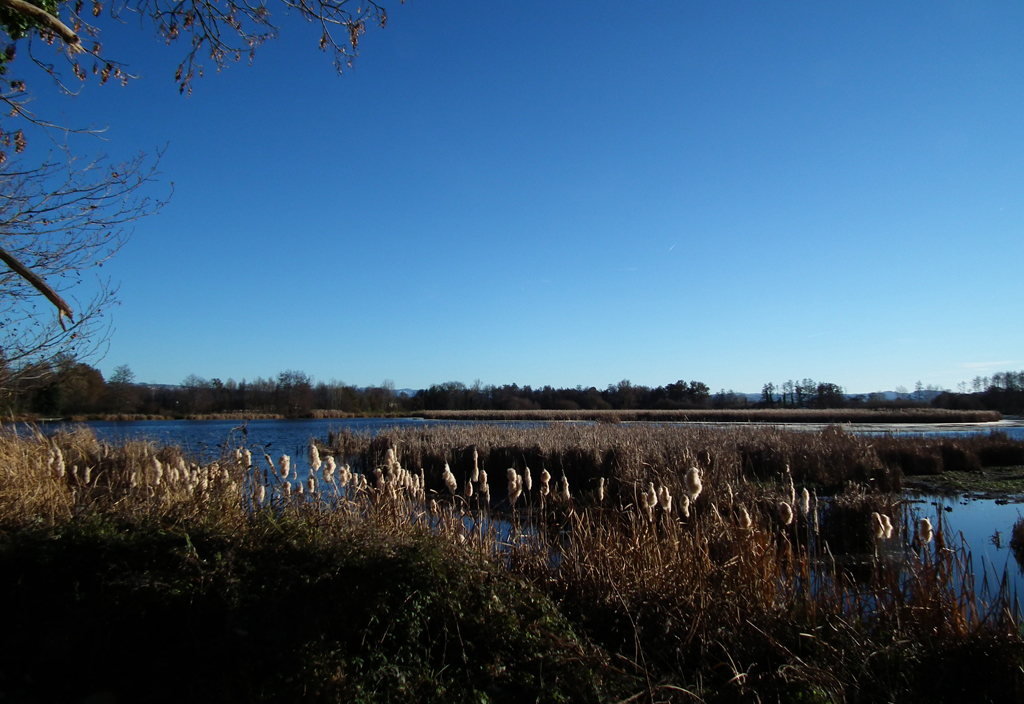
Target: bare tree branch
<point x="62" y="307"/>
<point x="47" y="21"/>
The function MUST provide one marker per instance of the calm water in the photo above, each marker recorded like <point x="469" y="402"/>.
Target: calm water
<point x="206" y="438"/>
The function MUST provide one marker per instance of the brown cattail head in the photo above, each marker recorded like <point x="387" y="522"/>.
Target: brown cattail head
<point x="693" y="483"/>
<point x="329" y="468"/>
<point x="745" y="522"/>
<point x="545" y="482"/>
<point x="805" y="502"/>
<point x="158" y="472"/>
<point x="527" y="481"/>
<point x="665" y="499"/>
<point x="785" y="513"/>
<point x="600" y="490"/>
<point x="515" y="487"/>
<point x="449" y="480"/>
<point x="651" y="497"/>
<point x="314" y="458"/>
<point x="475" y="477"/>
<point x="286" y="466"/>
<point x="261" y="494"/>
<point x="246" y="459"/>
<point x="57" y="462"/>
<point x="566" y="496"/>
<point x="924" y="531"/>
<point x="391" y="462"/>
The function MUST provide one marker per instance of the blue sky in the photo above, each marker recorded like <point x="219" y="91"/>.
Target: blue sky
<point x="567" y="193"/>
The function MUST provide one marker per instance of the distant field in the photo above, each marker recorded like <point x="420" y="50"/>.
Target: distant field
<point x="757" y="415"/>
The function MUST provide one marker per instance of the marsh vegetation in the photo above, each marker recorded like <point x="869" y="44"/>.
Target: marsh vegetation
<point x="488" y="563"/>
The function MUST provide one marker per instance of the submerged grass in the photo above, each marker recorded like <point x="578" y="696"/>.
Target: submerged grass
<point x="697" y="570"/>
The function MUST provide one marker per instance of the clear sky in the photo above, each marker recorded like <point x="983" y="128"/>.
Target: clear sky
<point x="578" y="193"/>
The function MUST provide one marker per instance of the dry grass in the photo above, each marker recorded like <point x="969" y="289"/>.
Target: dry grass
<point x="730" y="415"/>
<point x="727" y="598"/>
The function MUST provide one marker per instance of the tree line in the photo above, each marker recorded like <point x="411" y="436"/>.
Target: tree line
<point x="69" y="387"/>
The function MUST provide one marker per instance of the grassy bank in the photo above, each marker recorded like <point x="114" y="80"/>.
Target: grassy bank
<point x="753" y="415"/>
<point x="143" y="575"/>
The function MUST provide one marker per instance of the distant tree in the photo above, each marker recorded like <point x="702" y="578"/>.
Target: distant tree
<point x="121" y="389"/>
<point x="294" y="394"/>
<point x="768" y="394"/>
<point x="828" y="395"/>
<point x="197" y="394"/>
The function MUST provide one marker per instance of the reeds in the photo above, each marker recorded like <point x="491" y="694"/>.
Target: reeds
<point x="697" y="573"/>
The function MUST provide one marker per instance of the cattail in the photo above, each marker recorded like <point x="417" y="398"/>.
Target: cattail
<point x="887" y="523"/>
<point x="329" y="469"/>
<point x="270" y="463"/>
<point x="247" y="459"/>
<point x="566" y="496"/>
<point x="684" y="506"/>
<point x="785" y="513"/>
<point x="877" y="526"/>
<point x="665" y="499"/>
<point x="261" y="494"/>
<point x="311" y="482"/>
<point x="805" y="502"/>
<point x="379" y="474"/>
<point x="600" y="490"/>
<point x="57" y="462"/>
<point x="924" y="531"/>
<point x="527" y="480"/>
<point x="286" y="466"/>
<point x="745" y="521"/>
<point x="650" y="497"/>
<point x="545" y="482"/>
<point x="449" y="480"/>
<point x="225" y="476"/>
<point x="391" y="461"/>
<point x="475" y="476"/>
<point x="314" y="458"/>
<point x="515" y="487"/>
<point x="693" y="483"/>
<point x="299" y="488"/>
<point x="469" y="489"/>
<point x="485" y="488"/>
<point x="792" y="489"/>
<point x="158" y="472"/>
<point x="87" y="474"/>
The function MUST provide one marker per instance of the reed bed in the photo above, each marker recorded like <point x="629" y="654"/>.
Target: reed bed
<point x="728" y="415"/>
<point x="491" y="563"/>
